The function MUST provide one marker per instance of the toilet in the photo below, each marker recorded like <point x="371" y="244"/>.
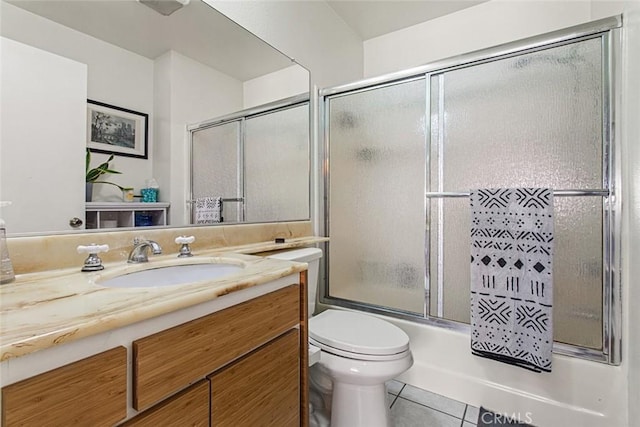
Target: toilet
<point x="357" y="353"/>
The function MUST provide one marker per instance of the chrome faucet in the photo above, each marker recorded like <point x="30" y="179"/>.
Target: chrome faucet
<point x="140" y="250"/>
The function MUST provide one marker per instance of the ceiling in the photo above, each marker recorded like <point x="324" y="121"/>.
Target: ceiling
<point x="201" y="33"/>
<point x="196" y="31"/>
<point x="372" y="18"/>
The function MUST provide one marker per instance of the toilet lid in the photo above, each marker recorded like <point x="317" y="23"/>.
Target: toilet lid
<point x="357" y="333"/>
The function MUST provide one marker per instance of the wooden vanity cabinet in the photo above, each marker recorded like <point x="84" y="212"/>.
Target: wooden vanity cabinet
<point x="166" y="362"/>
<point x="262" y="388"/>
<point x="190" y="407"/>
<point x="90" y="392"/>
<point x="254" y="355"/>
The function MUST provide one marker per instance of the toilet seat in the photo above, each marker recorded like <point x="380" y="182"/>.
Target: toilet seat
<point x="357" y="336"/>
<point x="356" y="356"/>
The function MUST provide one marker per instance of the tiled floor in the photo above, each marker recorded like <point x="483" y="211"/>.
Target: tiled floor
<point x="414" y="407"/>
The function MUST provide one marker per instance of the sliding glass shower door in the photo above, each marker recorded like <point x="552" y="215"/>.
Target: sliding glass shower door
<point x="276" y="158"/>
<point x="377" y="204"/>
<point x="403" y="155"/>
<point x="216" y="165"/>
<point x="533" y="120"/>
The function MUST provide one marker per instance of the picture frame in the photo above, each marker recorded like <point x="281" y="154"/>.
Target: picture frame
<point x="117" y="130"/>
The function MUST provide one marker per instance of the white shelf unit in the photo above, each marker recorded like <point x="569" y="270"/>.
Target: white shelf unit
<point x="125" y="214"/>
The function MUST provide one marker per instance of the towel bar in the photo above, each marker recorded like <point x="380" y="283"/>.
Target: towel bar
<point x="233" y="199"/>
<point x="558" y="193"/>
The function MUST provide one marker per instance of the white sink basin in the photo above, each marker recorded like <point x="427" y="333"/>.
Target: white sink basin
<point x="171" y="275"/>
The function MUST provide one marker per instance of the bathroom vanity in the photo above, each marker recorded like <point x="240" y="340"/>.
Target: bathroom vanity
<point x="232" y="351"/>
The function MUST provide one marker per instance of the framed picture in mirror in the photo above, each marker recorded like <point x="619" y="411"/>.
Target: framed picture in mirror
<point x="116" y="130"/>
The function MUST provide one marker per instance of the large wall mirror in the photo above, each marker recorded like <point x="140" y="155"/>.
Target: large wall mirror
<point x="158" y="74"/>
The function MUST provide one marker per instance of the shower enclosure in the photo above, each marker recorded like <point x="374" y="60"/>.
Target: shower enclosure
<point x="403" y="151"/>
<point x="256" y="160"/>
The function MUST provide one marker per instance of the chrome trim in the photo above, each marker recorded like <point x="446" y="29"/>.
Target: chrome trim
<point x="427" y="203"/>
<point x="506" y="49"/>
<point x="613" y="344"/>
<point x="366" y="88"/>
<point x="557" y="193"/>
<point x="440" y="224"/>
<point x="312" y="110"/>
<point x="606" y="183"/>
<point x="224" y="199"/>
<point x="321" y="209"/>
<point x="326" y="167"/>
<point x="240" y="169"/>
<point x="190" y="212"/>
<point x="283" y="104"/>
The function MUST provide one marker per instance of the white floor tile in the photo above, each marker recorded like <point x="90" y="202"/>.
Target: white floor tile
<point x="432" y="400"/>
<point x="394" y="386"/>
<point x="472" y="414"/>
<point x="405" y="413"/>
<point x="390" y="399"/>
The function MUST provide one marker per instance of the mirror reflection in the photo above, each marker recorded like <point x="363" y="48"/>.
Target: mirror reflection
<point x="261" y="161"/>
<point x="132" y="82"/>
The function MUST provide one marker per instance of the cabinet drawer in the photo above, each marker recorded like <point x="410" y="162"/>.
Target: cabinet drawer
<point x="262" y="388"/>
<point x="190" y="407"/>
<point x="170" y="360"/>
<point x="90" y="392"/>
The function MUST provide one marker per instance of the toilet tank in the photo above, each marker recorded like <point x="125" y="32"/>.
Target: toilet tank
<point x="312" y="257"/>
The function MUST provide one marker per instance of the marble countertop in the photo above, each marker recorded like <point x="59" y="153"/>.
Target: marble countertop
<point x="41" y="310"/>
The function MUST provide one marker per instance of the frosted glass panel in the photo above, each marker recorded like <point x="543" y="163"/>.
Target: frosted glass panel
<point x="377" y="217"/>
<point x="578" y="271"/>
<point x="533" y="120"/>
<point x="276" y="149"/>
<point x="577" y="267"/>
<point x="215" y="166"/>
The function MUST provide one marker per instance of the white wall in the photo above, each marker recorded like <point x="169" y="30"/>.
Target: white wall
<point x="485" y="25"/>
<point x="188" y="92"/>
<point x="291" y="81"/>
<point x="631" y="204"/>
<point x="308" y="31"/>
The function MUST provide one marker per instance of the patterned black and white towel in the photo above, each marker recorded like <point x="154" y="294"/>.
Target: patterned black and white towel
<point x="208" y="210"/>
<point x="512" y="276"/>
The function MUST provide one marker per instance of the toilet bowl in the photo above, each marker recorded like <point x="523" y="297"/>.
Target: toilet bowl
<point x="358" y="354"/>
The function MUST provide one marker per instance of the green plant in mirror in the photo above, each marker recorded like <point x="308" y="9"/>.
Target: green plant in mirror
<point x="91" y="175"/>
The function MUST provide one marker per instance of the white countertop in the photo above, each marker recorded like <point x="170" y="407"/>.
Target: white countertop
<point x="42" y="310"/>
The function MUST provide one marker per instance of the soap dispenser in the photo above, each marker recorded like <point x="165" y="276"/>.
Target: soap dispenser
<point x="6" y="268"/>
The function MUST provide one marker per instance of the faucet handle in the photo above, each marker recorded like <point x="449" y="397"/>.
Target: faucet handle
<point x="185" y="239"/>
<point x="185" y="250"/>
<point x="92" y="249"/>
<point x="93" y="261"/>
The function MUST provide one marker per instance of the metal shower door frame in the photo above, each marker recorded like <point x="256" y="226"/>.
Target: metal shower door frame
<point x="609" y="31"/>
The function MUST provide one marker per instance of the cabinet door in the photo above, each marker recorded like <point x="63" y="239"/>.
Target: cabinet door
<point x="90" y="392"/>
<point x="262" y="388"/>
<point x="166" y="362"/>
<point x="188" y="408"/>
